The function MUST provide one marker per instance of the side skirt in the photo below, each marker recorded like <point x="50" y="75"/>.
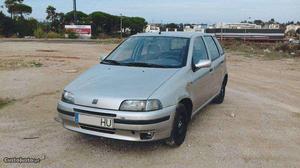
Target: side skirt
<point x="201" y="107"/>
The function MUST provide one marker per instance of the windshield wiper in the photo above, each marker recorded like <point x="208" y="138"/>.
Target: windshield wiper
<point x="110" y="62"/>
<point x="142" y="64"/>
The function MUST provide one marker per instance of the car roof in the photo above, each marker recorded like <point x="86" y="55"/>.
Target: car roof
<point x="174" y="34"/>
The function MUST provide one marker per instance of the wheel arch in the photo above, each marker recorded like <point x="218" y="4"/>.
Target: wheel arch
<point x="225" y="80"/>
<point x="188" y="103"/>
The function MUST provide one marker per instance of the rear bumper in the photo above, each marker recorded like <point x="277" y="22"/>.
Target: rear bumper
<point x="127" y="125"/>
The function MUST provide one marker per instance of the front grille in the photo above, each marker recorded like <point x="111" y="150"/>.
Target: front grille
<point x="97" y="129"/>
<point x="94" y="113"/>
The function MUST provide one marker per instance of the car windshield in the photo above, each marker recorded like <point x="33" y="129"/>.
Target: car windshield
<point x="154" y="51"/>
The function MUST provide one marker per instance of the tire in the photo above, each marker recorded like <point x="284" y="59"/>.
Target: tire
<point x="179" y="128"/>
<point x="219" y="99"/>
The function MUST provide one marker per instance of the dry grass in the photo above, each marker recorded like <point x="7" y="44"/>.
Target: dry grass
<point x="110" y="41"/>
<point x="5" y="102"/>
<point x="12" y="64"/>
<point x="263" y="50"/>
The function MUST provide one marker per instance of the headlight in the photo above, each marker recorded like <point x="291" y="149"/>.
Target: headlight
<point x="141" y="105"/>
<point x="67" y="97"/>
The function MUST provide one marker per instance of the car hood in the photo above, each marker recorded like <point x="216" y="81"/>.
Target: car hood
<point x="111" y="85"/>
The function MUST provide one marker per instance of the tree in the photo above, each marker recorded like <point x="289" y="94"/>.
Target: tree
<point x="272" y="21"/>
<point x="25" y="27"/>
<point x="7" y="26"/>
<point x="57" y="20"/>
<point x="82" y="18"/>
<point x="259" y="22"/>
<point x="180" y="27"/>
<point x="17" y="7"/>
<point x="100" y="21"/>
<point x="51" y="13"/>
<point x="110" y="24"/>
<point x="172" y="26"/>
<point x="22" y="9"/>
<point x="137" y="24"/>
<point x="290" y="23"/>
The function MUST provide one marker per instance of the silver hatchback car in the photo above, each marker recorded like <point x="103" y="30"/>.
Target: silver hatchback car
<point x="148" y="88"/>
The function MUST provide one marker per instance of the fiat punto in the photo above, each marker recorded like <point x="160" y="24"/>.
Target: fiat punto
<point x="148" y="88"/>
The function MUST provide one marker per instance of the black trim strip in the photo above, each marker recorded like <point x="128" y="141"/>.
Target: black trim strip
<point x="93" y="107"/>
<point x="94" y="113"/>
<point x="97" y="129"/>
<point x="66" y="112"/>
<point x="142" y="122"/>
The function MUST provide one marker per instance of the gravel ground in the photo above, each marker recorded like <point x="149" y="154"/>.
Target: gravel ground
<point x="257" y="125"/>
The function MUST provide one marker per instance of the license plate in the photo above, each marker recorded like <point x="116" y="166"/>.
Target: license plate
<point x="94" y="121"/>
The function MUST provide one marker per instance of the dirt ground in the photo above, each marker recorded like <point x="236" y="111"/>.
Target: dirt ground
<point x="258" y="125"/>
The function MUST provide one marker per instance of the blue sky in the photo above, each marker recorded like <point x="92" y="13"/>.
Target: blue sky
<point x="186" y="11"/>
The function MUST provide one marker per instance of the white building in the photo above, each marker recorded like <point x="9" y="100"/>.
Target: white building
<point x="188" y="29"/>
<point x="292" y="27"/>
<point x="237" y="26"/>
<point x="152" y="28"/>
<point x="271" y="26"/>
<point x="195" y="28"/>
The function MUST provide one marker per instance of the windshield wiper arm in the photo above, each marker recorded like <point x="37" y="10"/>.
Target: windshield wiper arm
<point x="111" y="62"/>
<point x="142" y="64"/>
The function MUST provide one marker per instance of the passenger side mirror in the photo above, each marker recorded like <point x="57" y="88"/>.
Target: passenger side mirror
<point x="203" y="64"/>
<point x="102" y="57"/>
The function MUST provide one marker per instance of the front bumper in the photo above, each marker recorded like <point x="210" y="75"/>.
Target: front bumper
<point x="130" y="126"/>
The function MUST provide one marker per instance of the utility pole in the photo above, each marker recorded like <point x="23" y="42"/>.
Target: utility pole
<point x="246" y="28"/>
<point x="221" y="31"/>
<point x="75" y="12"/>
<point x="121" y="26"/>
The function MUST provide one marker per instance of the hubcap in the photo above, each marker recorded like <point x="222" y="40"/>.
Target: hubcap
<point x="180" y="127"/>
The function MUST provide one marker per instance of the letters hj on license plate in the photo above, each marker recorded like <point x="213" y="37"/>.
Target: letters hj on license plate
<point x="95" y="121"/>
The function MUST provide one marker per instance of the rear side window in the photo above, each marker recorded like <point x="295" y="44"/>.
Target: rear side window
<point x="199" y="50"/>
<point x="212" y="48"/>
<point x="219" y="46"/>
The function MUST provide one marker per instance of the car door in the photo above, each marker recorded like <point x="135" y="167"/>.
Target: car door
<point x="217" y="63"/>
<point x="200" y="78"/>
<point x="220" y="64"/>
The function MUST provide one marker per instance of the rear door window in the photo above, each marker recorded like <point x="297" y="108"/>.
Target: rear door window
<point x="219" y="46"/>
<point x="212" y="47"/>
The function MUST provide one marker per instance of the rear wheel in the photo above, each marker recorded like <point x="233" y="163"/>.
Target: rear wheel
<point x="219" y="99"/>
<point x="179" y="127"/>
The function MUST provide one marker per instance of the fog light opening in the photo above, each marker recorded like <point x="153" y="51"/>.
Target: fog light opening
<point x="147" y="135"/>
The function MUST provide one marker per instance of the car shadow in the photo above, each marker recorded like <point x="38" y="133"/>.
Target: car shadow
<point x="117" y="145"/>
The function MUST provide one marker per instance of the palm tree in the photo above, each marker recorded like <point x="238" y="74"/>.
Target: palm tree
<point x="17" y="7"/>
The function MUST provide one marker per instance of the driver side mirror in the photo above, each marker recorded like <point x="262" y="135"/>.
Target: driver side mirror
<point x="203" y="64"/>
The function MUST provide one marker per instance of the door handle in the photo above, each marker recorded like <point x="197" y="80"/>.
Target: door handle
<point x="220" y="64"/>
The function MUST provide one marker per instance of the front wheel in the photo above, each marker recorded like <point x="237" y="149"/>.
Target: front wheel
<point x="179" y="127"/>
